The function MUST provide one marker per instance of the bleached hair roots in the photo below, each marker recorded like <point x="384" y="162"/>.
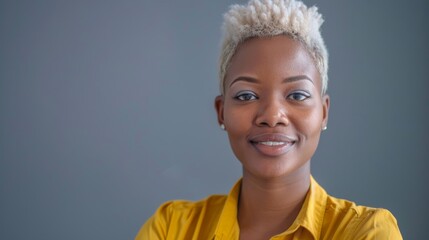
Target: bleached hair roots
<point x="266" y="18"/>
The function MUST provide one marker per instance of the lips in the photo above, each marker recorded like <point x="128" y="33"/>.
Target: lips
<point x="272" y="144"/>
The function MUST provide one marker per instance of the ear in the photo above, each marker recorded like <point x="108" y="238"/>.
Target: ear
<point x="325" y="102"/>
<point x="218" y="104"/>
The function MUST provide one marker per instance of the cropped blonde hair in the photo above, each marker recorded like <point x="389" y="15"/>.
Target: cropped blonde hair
<point x="265" y="18"/>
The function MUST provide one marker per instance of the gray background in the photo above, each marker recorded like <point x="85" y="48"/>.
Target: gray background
<point x="106" y="111"/>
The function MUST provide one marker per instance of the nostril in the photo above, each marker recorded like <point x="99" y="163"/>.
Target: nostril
<point x="272" y="113"/>
<point x="264" y="124"/>
<point x="273" y="121"/>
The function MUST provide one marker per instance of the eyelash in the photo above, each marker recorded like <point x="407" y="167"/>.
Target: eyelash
<point x="301" y="94"/>
<point x="250" y="96"/>
<point x="243" y="96"/>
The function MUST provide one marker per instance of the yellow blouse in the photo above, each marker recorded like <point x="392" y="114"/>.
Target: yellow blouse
<point x="321" y="217"/>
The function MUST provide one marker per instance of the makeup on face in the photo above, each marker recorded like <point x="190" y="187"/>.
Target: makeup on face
<point x="272" y="107"/>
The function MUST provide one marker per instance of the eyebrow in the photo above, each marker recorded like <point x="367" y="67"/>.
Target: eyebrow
<point x="286" y="80"/>
<point x="297" y="78"/>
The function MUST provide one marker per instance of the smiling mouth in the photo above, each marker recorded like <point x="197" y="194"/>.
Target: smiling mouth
<point x="272" y="144"/>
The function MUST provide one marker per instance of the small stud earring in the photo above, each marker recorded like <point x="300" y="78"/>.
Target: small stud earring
<point x="222" y="126"/>
<point x="324" y="128"/>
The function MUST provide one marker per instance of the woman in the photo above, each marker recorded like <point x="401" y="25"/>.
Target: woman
<point x="274" y="106"/>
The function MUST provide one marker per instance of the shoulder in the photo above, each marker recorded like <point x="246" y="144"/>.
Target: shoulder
<point x="177" y="208"/>
<point x="181" y="215"/>
<point x="375" y="223"/>
<point x="360" y="222"/>
<point x="185" y="205"/>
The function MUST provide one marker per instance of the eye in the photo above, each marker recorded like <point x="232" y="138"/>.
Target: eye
<point x="246" y="96"/>
<point x="298" y="96"/>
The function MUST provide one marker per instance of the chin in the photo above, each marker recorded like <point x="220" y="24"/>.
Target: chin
<point x="273" y="168"/>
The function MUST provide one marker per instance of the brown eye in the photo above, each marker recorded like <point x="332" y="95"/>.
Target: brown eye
<point x="245" y="96"/>
<point x="299" y="96"/>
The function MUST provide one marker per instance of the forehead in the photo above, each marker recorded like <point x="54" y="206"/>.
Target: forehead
<point x="276" y="57"/>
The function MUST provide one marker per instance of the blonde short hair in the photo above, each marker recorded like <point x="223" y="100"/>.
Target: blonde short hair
<point x="265" y="18"/>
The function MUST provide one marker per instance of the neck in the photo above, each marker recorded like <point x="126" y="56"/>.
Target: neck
<point x="272" y="203"/>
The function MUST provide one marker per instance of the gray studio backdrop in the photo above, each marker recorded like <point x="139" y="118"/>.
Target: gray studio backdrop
<point x="106" y="111"/>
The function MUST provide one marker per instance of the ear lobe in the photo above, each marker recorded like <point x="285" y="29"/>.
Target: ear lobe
<point x="325" y="102"/>
<point x="218" y="104"/>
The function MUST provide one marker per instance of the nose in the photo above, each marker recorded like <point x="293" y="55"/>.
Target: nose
<point x="272" y="113"/>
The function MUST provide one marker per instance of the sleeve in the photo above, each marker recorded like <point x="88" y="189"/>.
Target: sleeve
<point x="156" y="226"/>
<point x="377" y="224"/>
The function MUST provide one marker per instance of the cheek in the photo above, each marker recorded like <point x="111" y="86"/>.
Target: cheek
<point x="309" y="123"/>
<point x="237" y="119"/>
<point x="308" y="128"/>
<point x="238" y="122"/>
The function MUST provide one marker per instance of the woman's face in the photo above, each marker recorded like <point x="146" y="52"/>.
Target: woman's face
<point x="272" y="108"/>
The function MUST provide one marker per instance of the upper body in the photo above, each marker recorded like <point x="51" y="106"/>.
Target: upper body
<point x="321" y="217"/>
<point x="273" y="106"/>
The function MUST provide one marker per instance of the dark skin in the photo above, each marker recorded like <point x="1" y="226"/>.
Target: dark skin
<point x="273" y="112"/>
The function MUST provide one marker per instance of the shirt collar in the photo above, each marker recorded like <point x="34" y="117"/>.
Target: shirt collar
<point x="312" y="212"/>
<point x="227" y="226"/>
<point x="310" y="216"/>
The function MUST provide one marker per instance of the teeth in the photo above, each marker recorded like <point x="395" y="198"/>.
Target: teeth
<point x="272" y="143"/>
